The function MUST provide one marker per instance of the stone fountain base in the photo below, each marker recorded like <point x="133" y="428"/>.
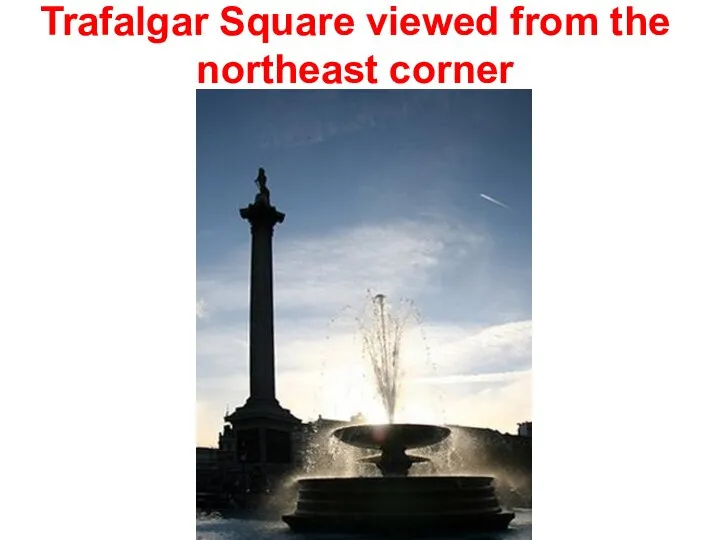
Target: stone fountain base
<point x="416" y="504"/>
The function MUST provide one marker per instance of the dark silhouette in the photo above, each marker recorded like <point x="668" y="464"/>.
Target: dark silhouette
<point x="397" y="502"/>
<point x="261" y="183"/>
<point x="256" y="447"/>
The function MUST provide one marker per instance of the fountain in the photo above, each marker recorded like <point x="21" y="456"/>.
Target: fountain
<point x="394" y="502"/>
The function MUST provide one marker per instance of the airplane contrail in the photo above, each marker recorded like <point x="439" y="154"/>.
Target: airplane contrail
<point x="494" y="201"/>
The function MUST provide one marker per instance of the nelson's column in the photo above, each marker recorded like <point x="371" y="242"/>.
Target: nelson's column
<point x="259" y="439"/>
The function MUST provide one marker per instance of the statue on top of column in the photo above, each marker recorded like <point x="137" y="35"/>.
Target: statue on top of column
<point x="261" y="210"/>
<point x="263" y="191"/>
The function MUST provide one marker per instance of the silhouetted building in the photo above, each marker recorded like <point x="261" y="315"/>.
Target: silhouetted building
<point x="525" y="429"/>
<point x="210" y="485"/>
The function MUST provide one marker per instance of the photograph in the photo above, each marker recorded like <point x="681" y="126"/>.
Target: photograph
<point x="363" y="312"/>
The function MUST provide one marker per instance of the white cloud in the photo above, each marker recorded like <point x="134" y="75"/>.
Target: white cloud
<point x="500" y="408"/>
<point x="493" y="349"/>
<point x="324" y="273"/>
<point x="200" y="311"/>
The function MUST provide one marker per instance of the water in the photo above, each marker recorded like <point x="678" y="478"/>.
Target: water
<point x="373" y="356"/>
<point x="247" y="529"/>
<point x="382" y="333"/>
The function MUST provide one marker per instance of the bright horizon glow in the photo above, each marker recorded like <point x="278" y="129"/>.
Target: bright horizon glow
<point x="381" y="194"/>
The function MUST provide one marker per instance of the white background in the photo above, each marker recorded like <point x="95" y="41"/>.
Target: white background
<point x="97" y="217"/>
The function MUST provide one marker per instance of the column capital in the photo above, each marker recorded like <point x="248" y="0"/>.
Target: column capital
<point x="260" y="213"/>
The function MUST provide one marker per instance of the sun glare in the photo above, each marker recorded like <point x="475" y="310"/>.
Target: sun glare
<point x="349" y="391"/>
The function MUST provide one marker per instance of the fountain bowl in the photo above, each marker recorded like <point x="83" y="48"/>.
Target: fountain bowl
<point x="378" y="436"/>
<point x="392" y="440"/>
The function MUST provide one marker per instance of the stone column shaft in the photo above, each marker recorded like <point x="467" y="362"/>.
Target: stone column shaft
<point x="262" y="218"/>
<point x="262" y="333"/>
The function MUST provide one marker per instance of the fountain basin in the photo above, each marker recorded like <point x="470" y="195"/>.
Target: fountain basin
<point x="420" y="504"/>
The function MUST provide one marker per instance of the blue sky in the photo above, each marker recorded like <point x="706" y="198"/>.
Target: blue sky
<point x="424" y="195"/>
